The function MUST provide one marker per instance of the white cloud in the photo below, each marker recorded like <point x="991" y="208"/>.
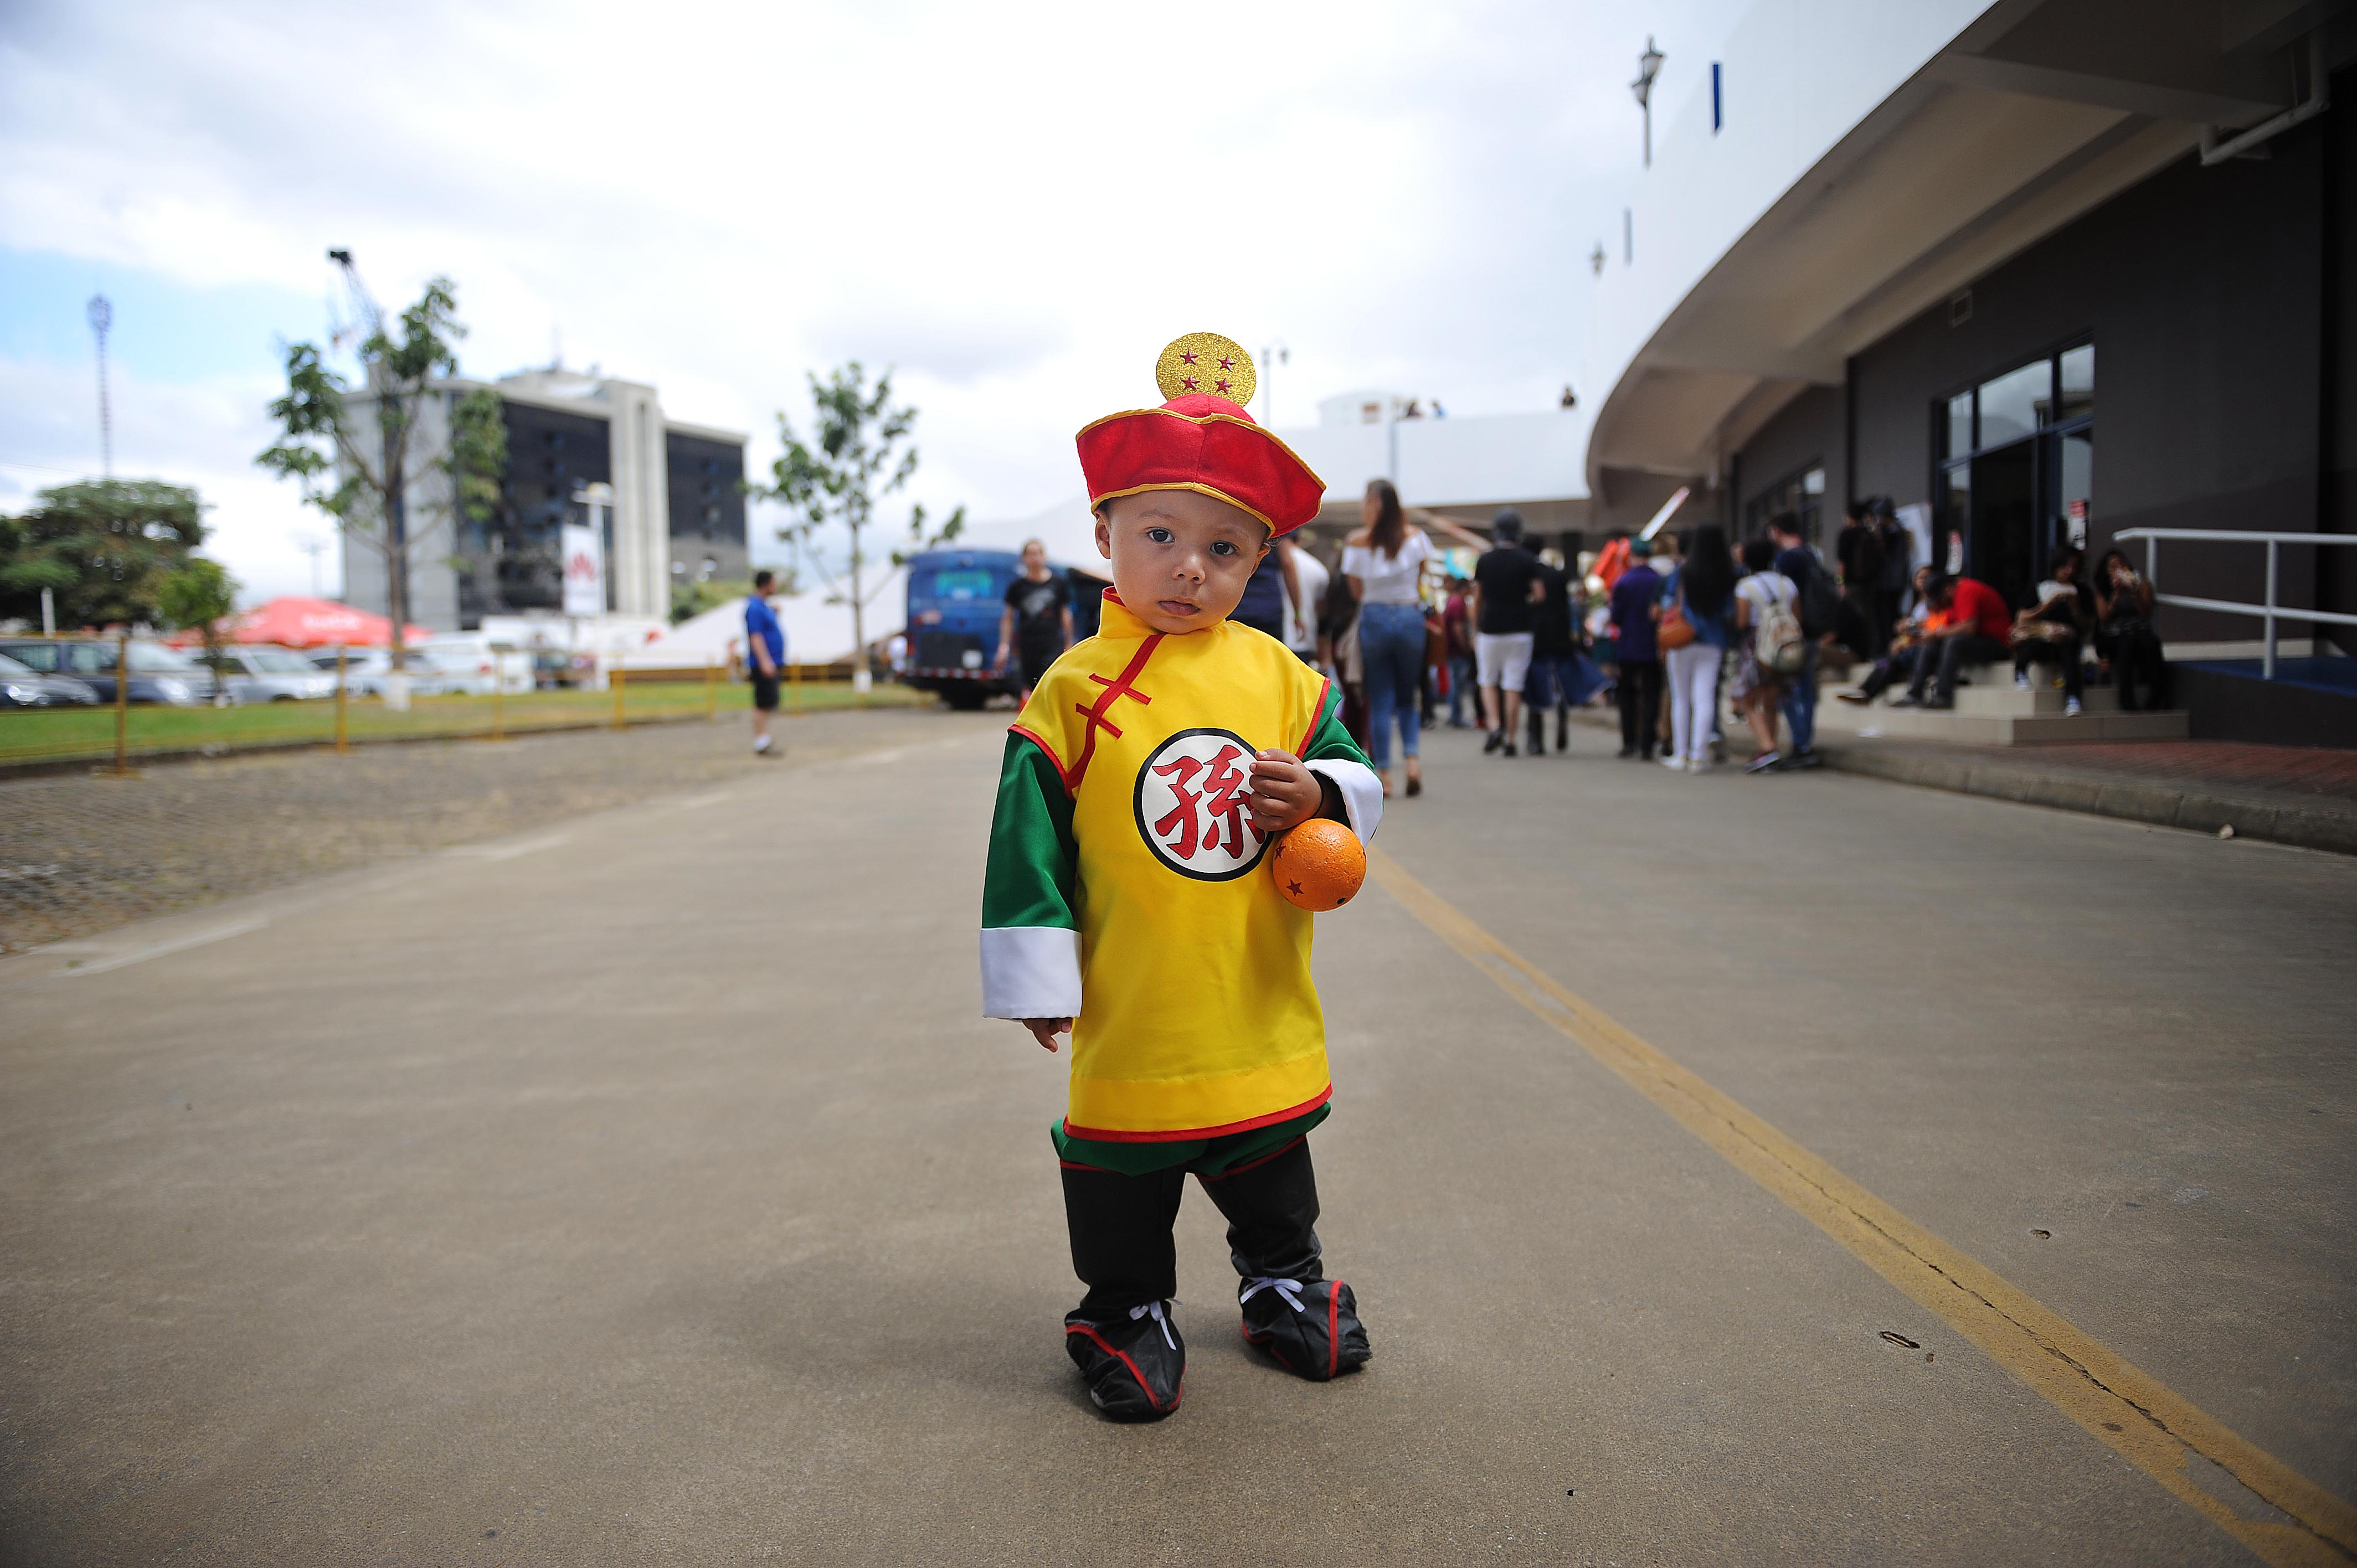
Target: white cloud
<point x="1018" y="206"/>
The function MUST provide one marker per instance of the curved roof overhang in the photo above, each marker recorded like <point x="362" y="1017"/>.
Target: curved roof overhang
<point x="2033" y="115"/>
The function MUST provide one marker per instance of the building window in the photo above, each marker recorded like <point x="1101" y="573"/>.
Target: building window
<point x="1801" y="493"/>
<point x="2014" y="475"/>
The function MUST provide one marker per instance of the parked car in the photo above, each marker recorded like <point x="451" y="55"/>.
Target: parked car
<point x="157" y="674"/>
<point x="365" y="670"/>
<point x="23" y="687"/>
<point x="476" y="665"/>
<point x="259" y="673"/>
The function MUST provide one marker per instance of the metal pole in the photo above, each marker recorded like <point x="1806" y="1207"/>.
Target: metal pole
<point x="2267" y="671"/>
<point x="617" y="679"/>
<point x="711" y="689"/>
<point x="121" y="704"/>
<point x="498" y="699"/>
<point x="48" y="613"/>
<point x="342" y="743"/>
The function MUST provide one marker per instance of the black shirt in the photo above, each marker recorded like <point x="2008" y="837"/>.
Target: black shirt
<point x="1039" y="612"/>
<point x="1553" y="635"/>
<point x="1860" y="549"/>
<point x="1505" y="576"/>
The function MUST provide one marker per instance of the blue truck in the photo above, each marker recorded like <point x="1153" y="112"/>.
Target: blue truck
<point x="955" y="597"/>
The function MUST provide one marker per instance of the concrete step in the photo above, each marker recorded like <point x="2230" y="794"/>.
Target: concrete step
<point x="1993" y="699"/>
<point x="1965" y="727"/>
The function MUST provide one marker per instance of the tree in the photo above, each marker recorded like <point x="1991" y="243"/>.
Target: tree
<point x="863" y="454"/>
<point x="200" y="596"/>
<point x="365" y="486"/>
<point x="101" y="547"/>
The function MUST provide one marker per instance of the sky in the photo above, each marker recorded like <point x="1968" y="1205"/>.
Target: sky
<point x="1012" y="207"/>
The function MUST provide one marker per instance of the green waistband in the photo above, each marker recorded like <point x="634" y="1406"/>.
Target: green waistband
<point x="1204" y="1157"/>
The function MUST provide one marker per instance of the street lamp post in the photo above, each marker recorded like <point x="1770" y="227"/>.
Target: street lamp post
<point x="101" y="318"/>
<point x="1269" y="358"/>
<point x="1648" y="66"/>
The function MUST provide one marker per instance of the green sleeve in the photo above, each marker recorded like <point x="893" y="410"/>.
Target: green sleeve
<point x="1033" y="870"/>
<point x="1329" y="741"/>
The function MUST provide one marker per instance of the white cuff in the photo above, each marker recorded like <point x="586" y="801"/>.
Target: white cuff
<point x="1030" y="972"/>
<point x="1363" y="792"/>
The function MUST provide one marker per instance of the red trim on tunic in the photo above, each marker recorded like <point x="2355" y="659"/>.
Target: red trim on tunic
<point x="1253" y="1165"/>
<point x="1316" y="716"/>
<point x="1115" y="688"/>
<point x="1050" y="751"/>
<point x="1106" y="1136"/>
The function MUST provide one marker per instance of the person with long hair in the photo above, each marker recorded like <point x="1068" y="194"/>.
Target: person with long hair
<point x="1701" y="589"/>
<point x="1384" y="563"/>
<point x="2124" y="632"/>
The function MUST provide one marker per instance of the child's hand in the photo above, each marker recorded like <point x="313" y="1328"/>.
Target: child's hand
<point x="1285" y="793"/>
<point x="1044" y="1030"/>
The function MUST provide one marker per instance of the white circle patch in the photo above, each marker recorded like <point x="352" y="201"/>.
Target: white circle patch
<point x="1194" y="805"/>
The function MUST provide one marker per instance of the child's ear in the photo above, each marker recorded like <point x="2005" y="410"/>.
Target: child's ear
<point x="1105" y="534"/>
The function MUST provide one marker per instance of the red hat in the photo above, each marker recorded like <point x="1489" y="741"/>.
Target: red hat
<point x="1201" y="440"/>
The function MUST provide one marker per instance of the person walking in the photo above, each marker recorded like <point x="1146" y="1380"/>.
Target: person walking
<point x="765" y="652"/>
<point x="1636" y="599"/>
<point x="1858" y="551"/>
<point x="1274" y="584"/>
<point x="1766" y="603"/>
<point x="1506" y="592"/>
<point x="1702" y="590"/>
<point x="1456" y="629"/>
<point x="1556" y="680"/>
<point x="1384" y="563"/>
<point x="1037" y="620"/>
<point x="1898" y="566"/>
<point x="1301" y="622"/>
<point x="1818" y="603"/>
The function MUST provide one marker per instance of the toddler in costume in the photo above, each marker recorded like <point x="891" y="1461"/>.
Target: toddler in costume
<point x="1128" y="900"/>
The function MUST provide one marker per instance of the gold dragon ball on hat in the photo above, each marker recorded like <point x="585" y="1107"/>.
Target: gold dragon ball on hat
<point x="1206" y="363"/>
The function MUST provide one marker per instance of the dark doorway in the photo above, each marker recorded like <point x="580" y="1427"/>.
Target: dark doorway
<point x="2004" y="537"/>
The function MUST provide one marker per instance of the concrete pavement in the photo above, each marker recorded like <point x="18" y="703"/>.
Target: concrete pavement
<point x="649" y="1192"/>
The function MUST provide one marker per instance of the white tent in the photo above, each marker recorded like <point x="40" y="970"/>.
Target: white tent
<point x="1066" y="529"/>
<point x="817" y="631"/>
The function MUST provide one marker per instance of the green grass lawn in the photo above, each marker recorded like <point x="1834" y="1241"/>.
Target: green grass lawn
<point x="69" y="733"/>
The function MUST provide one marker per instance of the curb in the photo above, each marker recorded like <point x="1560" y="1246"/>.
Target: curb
<point x="2163" y="805"/>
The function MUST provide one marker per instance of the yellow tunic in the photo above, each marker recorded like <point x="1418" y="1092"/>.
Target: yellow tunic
<point x="1198" y="1015"/>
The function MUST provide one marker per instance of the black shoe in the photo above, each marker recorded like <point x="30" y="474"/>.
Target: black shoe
<point x="1812" y="757"/>
<point x="1855" y="699"/>
<point x="1909" y="699"/>
<point x="1628" y="751"/>
<point x="1134" y="1365"/>
<point x="1766" y="762"/>
<point x="1940" y="704"/>
<point x="1642" y="755"/>
<point x="1310" y="1327"/>
<point x="1497" y="738"/>
<point x="1510" y="750"/>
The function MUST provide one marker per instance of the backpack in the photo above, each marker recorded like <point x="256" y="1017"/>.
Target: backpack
<point x="1778" y="641"/>
<point x="1820" y="600"/>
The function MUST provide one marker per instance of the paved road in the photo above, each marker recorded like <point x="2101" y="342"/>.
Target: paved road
<point x="646" y="1191"/>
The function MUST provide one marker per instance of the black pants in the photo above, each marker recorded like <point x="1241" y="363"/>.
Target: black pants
<point x="1945" y="655"/>
<point x="1120" y="1228"/>
<point x="2134" y="650"/>
<point x="1640" y="696"/>
<point x="2046" y="650"/>
<point x="1884" y="617"/>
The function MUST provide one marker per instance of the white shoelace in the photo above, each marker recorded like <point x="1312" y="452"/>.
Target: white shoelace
<point x="1289" y="1291"/>
<point x="1153" y="1309"/>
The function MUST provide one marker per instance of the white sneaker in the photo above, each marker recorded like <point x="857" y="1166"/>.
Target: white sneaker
<point x="2021" y="680"/>
<point x="2070" y="708"/>
<point x="1675" y="764"/>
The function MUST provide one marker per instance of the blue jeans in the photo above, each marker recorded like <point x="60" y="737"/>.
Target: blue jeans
<point x="1800" y="700"/>
<point x="1391" y="639"/>
<point x="1461" y="686"/>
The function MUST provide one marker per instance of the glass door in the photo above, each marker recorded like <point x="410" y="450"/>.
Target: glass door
<point x="2015" y="479"/>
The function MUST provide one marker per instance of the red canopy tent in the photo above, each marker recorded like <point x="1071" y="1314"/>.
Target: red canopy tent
<point x="318" y="623"/>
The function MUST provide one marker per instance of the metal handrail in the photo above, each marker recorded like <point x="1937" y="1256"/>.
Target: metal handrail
<point x="2269" y="612"/>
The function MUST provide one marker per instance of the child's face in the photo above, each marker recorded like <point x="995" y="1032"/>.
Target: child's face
<point x="1180" y="559"/>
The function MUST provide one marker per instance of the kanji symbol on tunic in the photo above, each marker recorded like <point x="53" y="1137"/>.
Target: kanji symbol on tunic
<point x="1194" y="810"/>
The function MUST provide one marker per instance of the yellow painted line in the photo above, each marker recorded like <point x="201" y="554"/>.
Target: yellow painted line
<point x="2282" y="1516"/>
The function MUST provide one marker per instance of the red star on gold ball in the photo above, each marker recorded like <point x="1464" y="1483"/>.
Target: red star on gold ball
<point x="1222" y="385"/>
<point x="1191" y="383"/>
<point x="1227" y="361"/>
<point x="1187" y="357"/>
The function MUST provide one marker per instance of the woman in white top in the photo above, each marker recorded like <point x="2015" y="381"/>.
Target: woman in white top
<point x="1384" y="562"/>
<point x="1757" y="690"/>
